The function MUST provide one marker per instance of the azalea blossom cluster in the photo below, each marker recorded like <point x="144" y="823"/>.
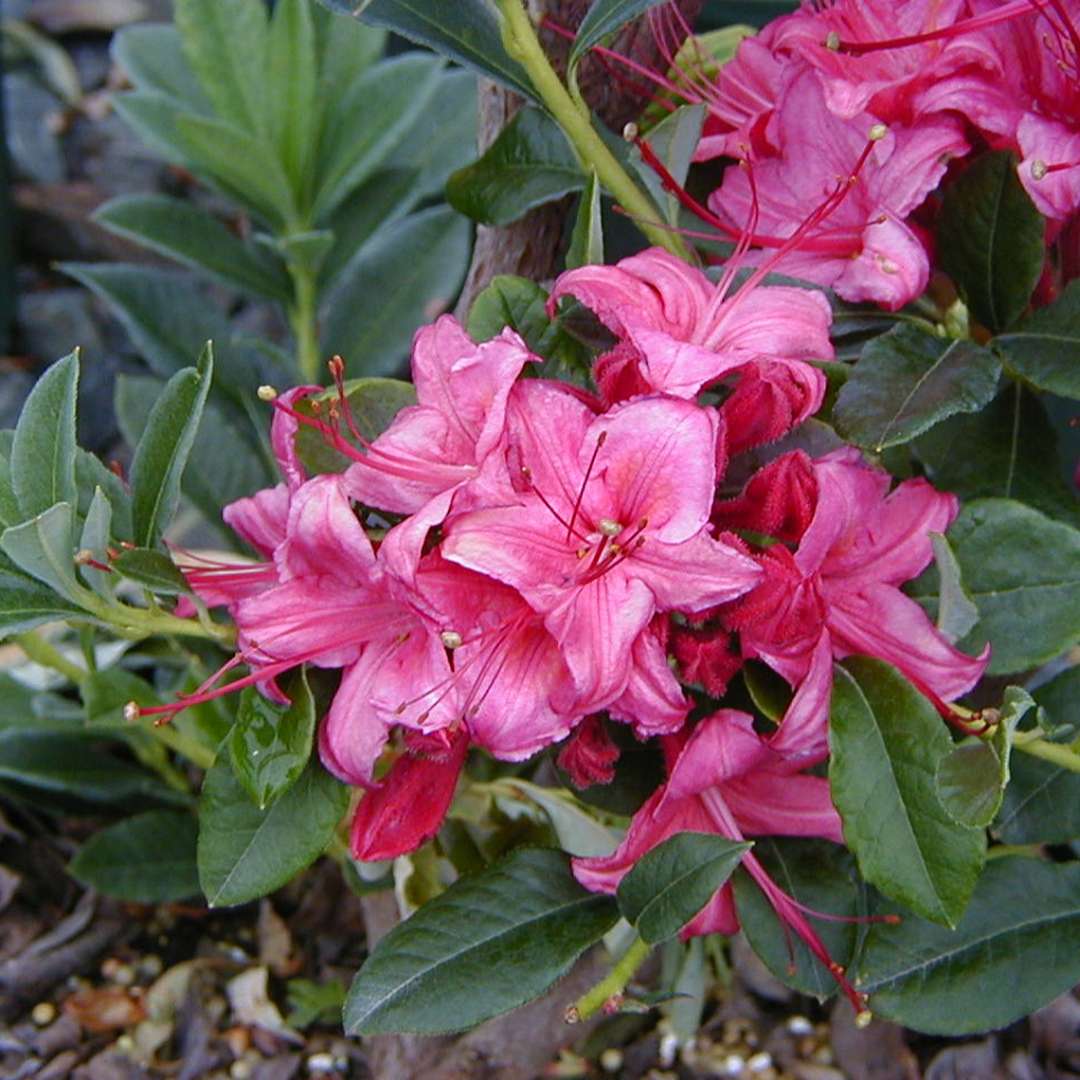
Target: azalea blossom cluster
<point x="515" y="558"/>
<point x="938" y="79"/>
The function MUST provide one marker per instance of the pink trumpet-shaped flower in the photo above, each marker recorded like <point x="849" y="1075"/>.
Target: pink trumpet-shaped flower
<point x="726" y="779"/>
<point x="838" y="594"/>
<point x="681" y="332"/>
<point x="610" y="529"/>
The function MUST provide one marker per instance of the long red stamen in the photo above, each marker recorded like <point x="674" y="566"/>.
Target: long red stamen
<point x="526" y="474"/>
<point x="581" y="492"/>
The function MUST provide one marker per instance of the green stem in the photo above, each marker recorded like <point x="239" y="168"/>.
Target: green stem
<point x="1027" y="851"/>
<point x="41" y="652"/>
<point x="615" y="981"/>
<point x="142" y="622"/>
<point x="302" y="319"/>
<point x="524" y="46"/>
<point x="1055" y="753"/>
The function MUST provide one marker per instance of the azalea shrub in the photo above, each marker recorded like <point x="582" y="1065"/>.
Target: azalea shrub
<point x="729" y="585"/>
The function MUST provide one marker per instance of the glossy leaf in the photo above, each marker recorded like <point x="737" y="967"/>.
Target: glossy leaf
<point x="162" y="453"/>
<point x="149" y="858"/>
<point x="507" y="933"/>
<point x="179" y="230"/>
<point x="991" y="240"/>
<point x="587" y="238"/>
<point x="529" y="164"/>
<point x="1045" y="348"/>
<point x="1016" y="948"/>
<point x="245" y="852"/>
<point x="887" y="742"/>
<point x="42" y="459"/>
<point x="467" y="31"/>
<point x="394" y="285"/>
<point x="670" y="884"/>
<point x="270" y="743"/>
<point x="906" y="381"/>
<point x="604" y="17"/>
<point x="822" y="877"/>
<point x="373" y="402"/>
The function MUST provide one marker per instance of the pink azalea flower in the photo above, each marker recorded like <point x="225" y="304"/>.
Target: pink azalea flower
<point x="610" y="529"/>
<point x="680" y="332"/>
<point x="725" y="779"/>
<point x="864" y="248"/>
<point x="838" y="593"/>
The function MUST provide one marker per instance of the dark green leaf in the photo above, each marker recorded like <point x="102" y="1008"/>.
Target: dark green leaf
<point x="1041" y="804"/>
<point x="24" y="604"/>
<point x="10" y="514"/>
<point x="1045" y="348"/>
<point x="245" y="852"/>
<point x="152" y="55"/>
<point x="991" y="240"/>
<point x="956" y="614"/>
<point x="970" y="782"/>
<point x="670" y="884"/>
<point x="768" y="691"/>
<point x="42" y="459"/>
<point x="270" y="743"/>
<point x="1015" y="949"/>
<point x="43" y="547"/>
<point x="605" y="17"/>
<point x="587" y="239"/>
<point x="225" y="44"/>
<point x="529" y="164"/>
<point x="58" y="763"/>
<point x="887" y="742"/>
<point x="906" y="381"/>
<point x="393" y="286"/>
<point x="1008" y="449"/>
<point x="507" y="934"/>
<point x="371" y="119"/>
<point x="148" y="858"/>
<point x="163" y="450"/>
<point x="373" y="402"/>
<point x="1060" y="697"/>
<point x="178" y="229"/>
<point x="91" y="474"/>
<point x="822" y="877"/>
<point x="466" y="31"/>
<point x="153" y="570"/>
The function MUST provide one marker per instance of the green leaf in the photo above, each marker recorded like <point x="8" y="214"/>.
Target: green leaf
<point x="1045" y="348"/>
<point x="91" y="474"/>
<point x="43" y="452"/>
<point x="225" y="44"/>
<point x="163" y="450"/>
<point x="394" y="285"/>
<point x="970" y="782"/>
<point x="1060" y="698"/>
<point x="1015" y="949"/>
<point x="1041" y="804"/>
<point x="291" y="105"/>
<point x="311" y="1002"/>
<point x="887" y="742"/>
<point x="587" y="239"/>
<point x="24" y="604"/>
<point x="105" y="693"/>
<point x="153" y="57"/>
<point x="372" y="118"/>
<point x="43" y="548"/>
<point x="1023" y="572"/>
<point x="154" y="570"/>
<point x="467" y="31"/>
<point x="245" y="852"/>
<point x="373" y="402"/>
<point x="96" y="534"/>
<point x="346" y="48"/>
<point x="270" y="743"/>
<point x="956" y="614"/>
<point x="674" y="141"/>
<point x="180" y="230"/>
<point x="822" y="877"/>
<point x="990" y="240"/>
<point x="906" y="381"/>
<point x="529" y="164"/>
<point x="578" y="832"/>
<point x="605" y="17"/>
<point x="507" y="933"/>
<point x="670" y="884"/>
<point x="149" y="858"/>
<point x="10" y="514"/>
<point x="1008" y="449"/>
<point x="64" y="765"/>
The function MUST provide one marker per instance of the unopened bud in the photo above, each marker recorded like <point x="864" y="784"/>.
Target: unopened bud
<point x="266" y="393"/>
<point x="451" y="639"/>
<point x="630" y="132"/>
<point x="877" y="132"/>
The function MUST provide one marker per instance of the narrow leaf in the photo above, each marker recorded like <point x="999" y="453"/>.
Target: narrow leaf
<point x="674" y="141"/>
<point x="605" y="17"/>
<point x="154" y="570"/>
<point x="587" y="239"/>
<point x="163" y="450"/>
<point x="906" y="381"/>
<point x="670" y="884"/>
<point x="887" y="742"/>
<point x="507" y="933"/>
<point x="291" y="104"/>
<point x="152" y="56"/>
<point x="95" y="539"/>
<point x="43" y="548"/>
